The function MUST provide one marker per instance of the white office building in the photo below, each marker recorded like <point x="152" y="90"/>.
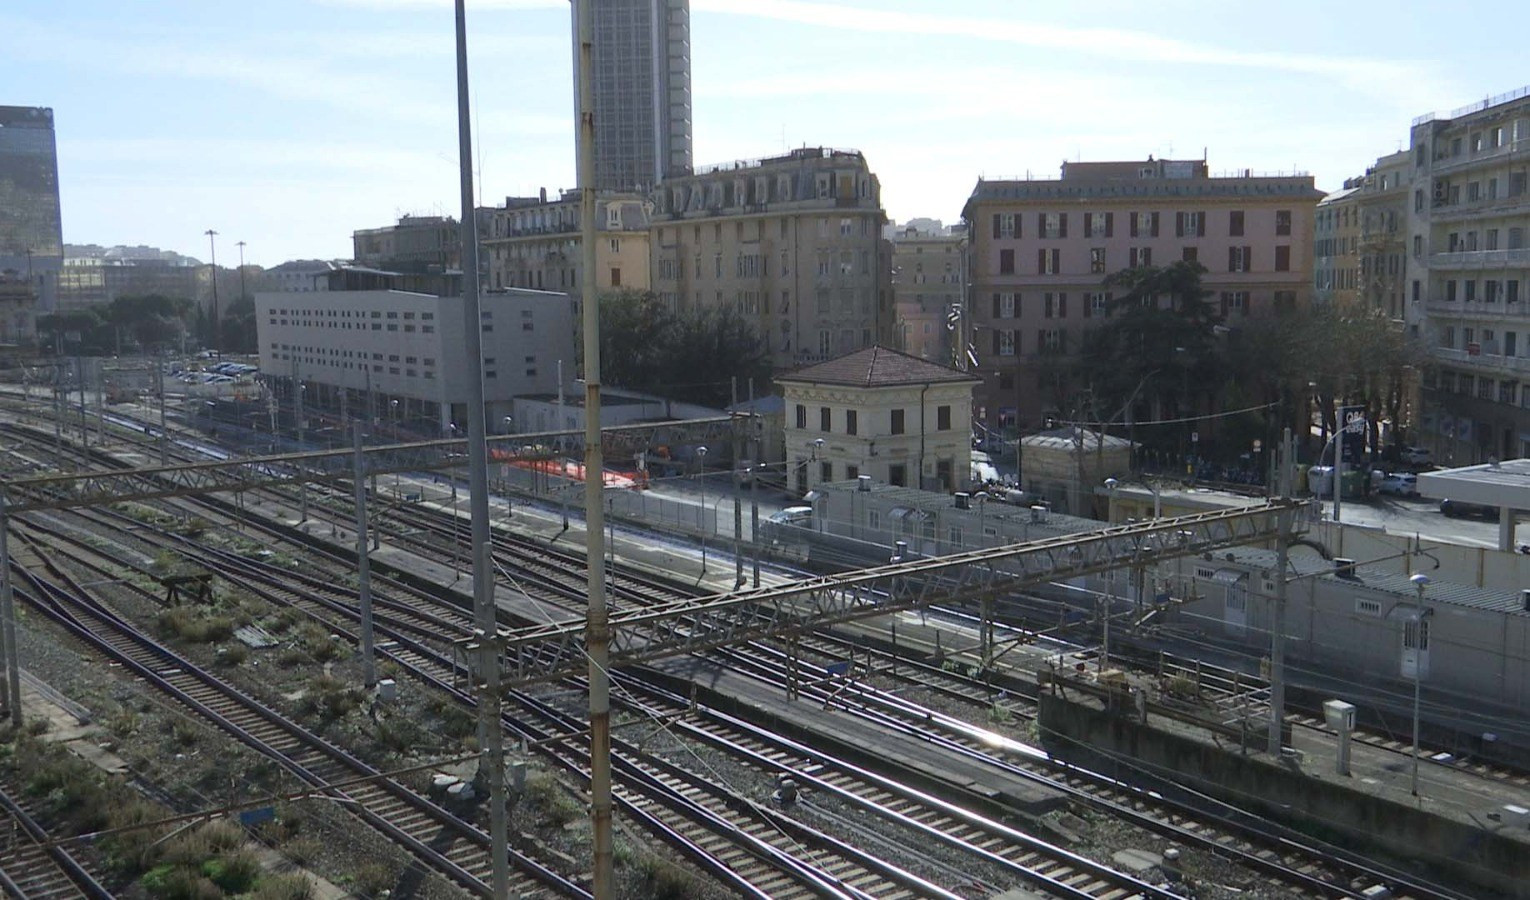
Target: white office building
<point x="399" y="357"/>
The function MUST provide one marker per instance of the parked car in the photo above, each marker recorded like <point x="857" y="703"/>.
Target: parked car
<point x="1416" y="456"/>
<point x="1399" y="484"/>
<point x="1455" y="508"/>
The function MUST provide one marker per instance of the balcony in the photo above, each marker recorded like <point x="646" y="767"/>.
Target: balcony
<point x="1485" y="361"/>
<point x="1480" y="259"/>
<point x="1483" y="207"/>
<point x="1510" y="150"/>
<point x="1477" y="309"/>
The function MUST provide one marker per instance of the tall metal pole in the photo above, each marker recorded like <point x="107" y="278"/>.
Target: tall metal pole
<point x="485" y="621"/>
<point x="297" y="400"/>
<point x="1278" y="620"/>
<point x="12" y="684"/>
<point x="596" y="624"/>
<point x="159" y="384"/>
<point x="241" y="271"/>
<point x="212" y="247"/>
<point x="363" y="567"/>
<point x="79" y="373"/>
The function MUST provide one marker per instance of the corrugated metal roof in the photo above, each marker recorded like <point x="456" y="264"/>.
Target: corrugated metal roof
<point x="877" y="367"/>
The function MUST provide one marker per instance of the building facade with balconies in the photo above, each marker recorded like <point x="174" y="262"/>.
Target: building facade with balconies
<point x="533" y="242"/>
<point x="793" y="243"/>
<point x="415" y="244"/>
<point x="929" y="270"/>
<point x="1469" y="271"/>
<point x="1041" y="250"/>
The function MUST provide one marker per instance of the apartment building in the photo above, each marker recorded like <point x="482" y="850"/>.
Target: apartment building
<point x="1041" y="248"/>
<point x="792" y="242"/>
<point x="928" y="274"/>
<point x="642" y="91"/>
<point x="414" y="244"/>
<point x="1359" y="253"/>
<point x="401" y="353"/>
<point x="1469" y="271"/>
<point x="533" y="242"/>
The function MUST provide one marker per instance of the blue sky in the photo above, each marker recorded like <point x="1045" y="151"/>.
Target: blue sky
<point x="289" y="123"/>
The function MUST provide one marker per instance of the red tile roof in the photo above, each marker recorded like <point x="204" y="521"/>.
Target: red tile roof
<point x="877" y="367"/>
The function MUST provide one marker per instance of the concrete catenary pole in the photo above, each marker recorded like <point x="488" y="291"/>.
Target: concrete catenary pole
<point x="1284" y="460"/>
<point x="363" y="567"/>
<point x="492" y="766"/>
<point x="596" y="623"/>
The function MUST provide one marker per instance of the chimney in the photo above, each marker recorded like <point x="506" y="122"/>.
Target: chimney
<point x="542" y="195"/>
<point x="1344" y="567"/>
<point x="863" y="482"/>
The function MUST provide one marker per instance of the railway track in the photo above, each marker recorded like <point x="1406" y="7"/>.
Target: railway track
<point x="560" y="577"/>
<point x="32" y="866"/>
<point x="431" y="833"/>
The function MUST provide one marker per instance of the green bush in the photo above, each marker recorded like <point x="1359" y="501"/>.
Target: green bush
<point x="283" y="887"/>
<point x="235" y="872"/>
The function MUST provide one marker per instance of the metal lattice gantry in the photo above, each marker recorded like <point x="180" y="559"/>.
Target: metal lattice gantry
<point x="551" y="652"/>
<point x="105" y="486"/>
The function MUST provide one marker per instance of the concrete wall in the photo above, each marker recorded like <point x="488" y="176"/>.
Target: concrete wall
<point x="1475" y="855"/>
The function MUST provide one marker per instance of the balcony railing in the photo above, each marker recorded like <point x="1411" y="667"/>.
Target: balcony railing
<point x="1520" y="364"/>
<point x="1479" y="259"/>
<point x="1508" y="150"/>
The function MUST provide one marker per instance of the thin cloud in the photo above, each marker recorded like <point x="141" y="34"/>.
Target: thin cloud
<point x="1120" y="44"/>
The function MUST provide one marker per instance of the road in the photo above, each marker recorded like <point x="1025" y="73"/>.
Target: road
<point x="1422" y="516"/>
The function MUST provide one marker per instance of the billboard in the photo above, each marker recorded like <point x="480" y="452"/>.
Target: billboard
<point x="29" y="206"/>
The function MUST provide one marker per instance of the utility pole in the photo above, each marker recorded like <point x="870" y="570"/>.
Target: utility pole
<point x="1284" y="459"/>
<point x="297" y="410"/>
<point x="485" y="620"/>
<point x="12" y="685"/>
<point x="242" y="293"/>
<point x="363" y="566"/>
<point x="597" y="625"/>
<point x="212" y="247"/>
<point x="159" y="386"/>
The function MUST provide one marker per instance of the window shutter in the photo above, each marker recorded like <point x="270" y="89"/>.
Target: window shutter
<point x="1232" y="259"/>
<point x="1200" y="226"/>
<point x="995" y="306"/>
<point x="1226" y="301"/>
<point x="1062" y="225"/>
<point x="1110" y="224"/>
<point x="1248" y="259"/>
<point x="1155" y="224"/>
<point x="1019" y="218"/>
<point x="1088" y="303"/>
<point x="1131" y="223"/>
<point x="1088" y="224"/>
<point x="1041" y="261"/>
<point x="995" y="225"/>
<point x="1179" y="224"/>
<point x="995" y="334"/>
<point x="1062" y="306"/>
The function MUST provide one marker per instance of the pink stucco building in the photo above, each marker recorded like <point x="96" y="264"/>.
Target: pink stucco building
<point x="1040" y="250"/>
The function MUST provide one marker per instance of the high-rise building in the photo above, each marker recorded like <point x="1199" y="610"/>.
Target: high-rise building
<point x="642" y="75"/>
<point x="1468" y="227"/>
<point x="31" y="230"/>
<point x="1042" y="248"/>
<point x="792" y="243"/>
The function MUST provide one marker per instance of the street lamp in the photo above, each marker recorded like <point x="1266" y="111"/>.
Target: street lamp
<point x="509" y="512"/>
<point x="212" y="247"/>
<point x="701" y="465"/>
<point x="393" y="414"/>
<point x="982" y="501"/>
<point x="1111" y="484"/>
<point x="1420" y="622"/>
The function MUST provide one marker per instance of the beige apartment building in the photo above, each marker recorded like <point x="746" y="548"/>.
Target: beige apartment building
<point x="928" y="272"/>
<point x="1041" y="248"/>
<point x="792" y="242"/>
<point x="533" y="242"/>
<point x="1360" y="258"/>
<point x="1469" y="262"/>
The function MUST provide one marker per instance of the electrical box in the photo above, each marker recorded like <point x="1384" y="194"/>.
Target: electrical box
<point x="1339" y="715"/>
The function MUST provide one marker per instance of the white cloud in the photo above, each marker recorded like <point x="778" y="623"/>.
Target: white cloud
<point x="1381" y="77"/>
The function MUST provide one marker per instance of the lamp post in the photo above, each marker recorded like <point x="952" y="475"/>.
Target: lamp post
<point x="509" y="510"/>
<point x="1420" y="623"/>
<point x="212" y="247"/>
<point x="241" y="271"/>
<point x="813" y="446"/>
<point x="393" y="414"/>
<point x="982" y="501"/>
<point x="1111" y="484"/>
<point x="701" y="465"/>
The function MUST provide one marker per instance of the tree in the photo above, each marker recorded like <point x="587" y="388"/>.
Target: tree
<point x="151" y="321"/>
<point x="1159" y="348"/>
<point x="692" y="355"/>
